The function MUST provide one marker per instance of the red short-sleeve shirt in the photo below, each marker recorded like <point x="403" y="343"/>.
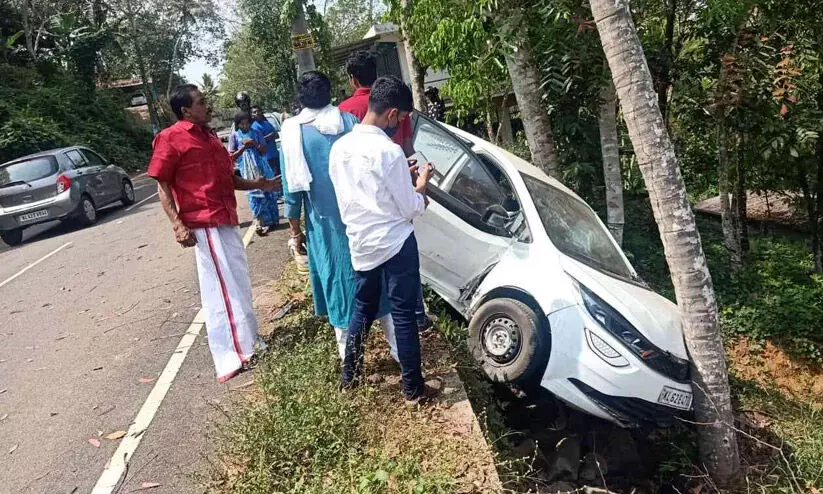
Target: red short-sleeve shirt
<point x="201" y="174"/>
<point x="358" y="105"/>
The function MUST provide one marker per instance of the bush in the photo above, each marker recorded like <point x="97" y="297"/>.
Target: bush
<point x="774" y="297"/>
<point x="42" y="109"/>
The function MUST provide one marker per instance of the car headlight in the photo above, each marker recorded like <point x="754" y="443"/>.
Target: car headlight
<point x="613" y="322"/>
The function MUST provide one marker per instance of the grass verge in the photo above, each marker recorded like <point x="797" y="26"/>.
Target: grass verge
<point x="297" y="433"/>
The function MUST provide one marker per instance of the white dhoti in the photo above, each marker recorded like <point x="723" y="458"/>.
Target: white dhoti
<point x="225" y="292"/>
<point x="386" y="322"/>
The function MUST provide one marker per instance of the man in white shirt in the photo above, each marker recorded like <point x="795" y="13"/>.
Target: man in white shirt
<point x="377" y="204"/>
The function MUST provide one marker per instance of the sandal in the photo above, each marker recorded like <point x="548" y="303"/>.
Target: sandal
<point x="301" y="259"/>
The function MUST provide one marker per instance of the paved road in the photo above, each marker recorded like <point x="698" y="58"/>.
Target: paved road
<point x="83" y="336"/>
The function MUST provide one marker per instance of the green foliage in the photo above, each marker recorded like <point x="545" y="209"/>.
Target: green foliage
<point x="349" y="20"/>
<point x="40" y="113"/>
<point x="776" y="297"/>
<point x="303" y="434"/>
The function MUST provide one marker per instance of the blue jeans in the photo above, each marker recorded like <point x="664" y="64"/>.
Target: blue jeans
<point x="402" y="277"/>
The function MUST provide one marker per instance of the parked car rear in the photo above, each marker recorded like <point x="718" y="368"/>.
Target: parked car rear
<point x="60" y="184"/>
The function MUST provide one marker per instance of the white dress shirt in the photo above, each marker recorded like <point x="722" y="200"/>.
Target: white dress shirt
<point x="375" y="195"/>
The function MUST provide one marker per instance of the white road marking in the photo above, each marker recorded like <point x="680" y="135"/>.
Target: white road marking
<point x="35" y="263"/>
<point x="116" y="467"/>
<point x="138" y="176"/>
<point x="141" y="202"/>
<point x="142" y="187"/>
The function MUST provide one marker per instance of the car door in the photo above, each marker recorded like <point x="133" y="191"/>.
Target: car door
<point x="457" y="243"/>
<point x="86" y="175"/>
<point x="109" y="178"/>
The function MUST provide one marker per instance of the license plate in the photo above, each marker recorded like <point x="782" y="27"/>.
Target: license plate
<point x="35" y="215"/>
<point x="675" y="398"/>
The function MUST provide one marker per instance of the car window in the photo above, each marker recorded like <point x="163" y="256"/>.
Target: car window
<point x="93" y="158"/>
<point x="439" y="148"/>
<point x="475" y="187"/>
<point x="28" y="171"/>
<point x="76" y="158"/>
<point x="575" y="229"/>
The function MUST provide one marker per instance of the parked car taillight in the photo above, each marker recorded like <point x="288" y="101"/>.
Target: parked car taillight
<point x="63" y="183"/>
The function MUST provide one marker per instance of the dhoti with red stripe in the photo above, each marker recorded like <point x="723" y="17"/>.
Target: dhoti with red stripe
<point x="225" y="291"/>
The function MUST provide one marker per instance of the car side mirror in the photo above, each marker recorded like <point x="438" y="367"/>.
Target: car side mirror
<point x="497" y="216"/>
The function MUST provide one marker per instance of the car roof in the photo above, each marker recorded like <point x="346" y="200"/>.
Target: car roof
<point x="50" y="152"/>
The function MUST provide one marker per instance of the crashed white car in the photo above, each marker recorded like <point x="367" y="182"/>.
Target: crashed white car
<point x="548" y="293"/>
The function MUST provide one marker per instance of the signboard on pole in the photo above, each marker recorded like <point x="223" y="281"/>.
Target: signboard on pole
<point x="302" y="41"/>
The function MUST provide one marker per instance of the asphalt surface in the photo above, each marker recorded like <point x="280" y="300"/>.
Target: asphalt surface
<point x="83" y="336"/>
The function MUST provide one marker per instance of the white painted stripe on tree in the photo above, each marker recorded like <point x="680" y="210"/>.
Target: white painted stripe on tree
<point x="35" y="263"/>
<point x="118" y="464"/>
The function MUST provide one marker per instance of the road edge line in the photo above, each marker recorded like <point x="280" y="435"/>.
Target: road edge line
<point x="117" y="465"/>
<point x="35" y="263"/>
<point x="141" y="202"/>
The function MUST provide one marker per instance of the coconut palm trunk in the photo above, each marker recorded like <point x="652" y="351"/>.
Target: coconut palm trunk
<point x="611" y="160"/>
<point x="678" y="231"/>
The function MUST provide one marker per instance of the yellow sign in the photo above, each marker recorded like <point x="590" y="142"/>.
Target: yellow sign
<point x="302" y="41"/>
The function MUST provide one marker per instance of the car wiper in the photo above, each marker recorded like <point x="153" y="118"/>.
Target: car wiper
<point x="16" y="182"/>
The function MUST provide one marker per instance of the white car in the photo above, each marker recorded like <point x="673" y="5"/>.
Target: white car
<point x="548" y="293"/>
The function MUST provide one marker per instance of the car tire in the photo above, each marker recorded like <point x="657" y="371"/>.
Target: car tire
<point x="127" y="193"/>
<point x="86" y="212"/>
<point x="509" y="340"/>
<point x="12" y="237"/>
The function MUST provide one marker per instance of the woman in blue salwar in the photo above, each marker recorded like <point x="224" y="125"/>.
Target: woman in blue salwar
<point x="249" y="148"/>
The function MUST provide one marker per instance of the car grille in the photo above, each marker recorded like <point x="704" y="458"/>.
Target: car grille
<point x="629" y="411"/>
<point x="670" y="366"/>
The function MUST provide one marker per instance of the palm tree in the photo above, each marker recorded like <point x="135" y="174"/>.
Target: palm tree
<point x="681" y="240"/>
<point x="611" y="160"/>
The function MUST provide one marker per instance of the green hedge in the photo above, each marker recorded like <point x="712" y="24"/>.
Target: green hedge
<point x="44" y="109"/>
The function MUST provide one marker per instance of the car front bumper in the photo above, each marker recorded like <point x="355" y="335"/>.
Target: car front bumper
<point x="627" y="394"/>
<point x="57" y="207"/>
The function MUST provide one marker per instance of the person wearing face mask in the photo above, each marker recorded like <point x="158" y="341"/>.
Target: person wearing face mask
<point x="361" y="67"/>
<point x="377" y="204"/>
<point x="306" y="140"/>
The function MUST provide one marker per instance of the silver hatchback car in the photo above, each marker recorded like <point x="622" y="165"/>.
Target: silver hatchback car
<point x="60" y="184"/>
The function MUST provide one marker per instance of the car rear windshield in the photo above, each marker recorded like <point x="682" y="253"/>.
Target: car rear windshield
<point x="575" y="229"/>
<point x="28" y="171"/>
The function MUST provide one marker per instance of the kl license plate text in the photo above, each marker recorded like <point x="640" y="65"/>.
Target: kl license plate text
<point x="34" y="216"/>
<point x="675" y="398"/>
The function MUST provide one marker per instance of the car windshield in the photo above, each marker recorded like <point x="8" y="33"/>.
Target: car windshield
<point x="575" y="229"/>
<point x="27" y="171"/>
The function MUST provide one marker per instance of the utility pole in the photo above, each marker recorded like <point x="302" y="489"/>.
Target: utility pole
<point x="302" y="41"/>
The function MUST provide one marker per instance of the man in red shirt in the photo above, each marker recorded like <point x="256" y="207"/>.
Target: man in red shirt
<point x="362" y="69"/>
<point x="196" y="183"/>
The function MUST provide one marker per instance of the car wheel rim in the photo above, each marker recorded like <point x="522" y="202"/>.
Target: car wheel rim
<point x="501" y="339"/>
<point x="129" y="192"/>
<point x="88" y="209"/>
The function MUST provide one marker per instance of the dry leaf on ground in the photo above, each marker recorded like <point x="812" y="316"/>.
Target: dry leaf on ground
<point x="145" y="380"/>
<point x="148" y="485"/>
<point x="115" y="435"/>
<point x="94" y="442"/>
<point x="14" y="448"/>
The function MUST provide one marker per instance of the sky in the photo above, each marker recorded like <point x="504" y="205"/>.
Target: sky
<point x="194" y="70"/>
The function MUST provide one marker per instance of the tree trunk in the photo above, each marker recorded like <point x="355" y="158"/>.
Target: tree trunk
<point x="665" y="81"/>
<point x="730" y="239"/>
<point x="525" y="79"/>
<point x="27" y="29"/>
<point x="417" y="71"/>
<point x="741" y="200"/>
<point x="678" y="231"/>
<point x="305" y="56"/>
<point x="818" y="219"/>
<point x="611" y="160"/>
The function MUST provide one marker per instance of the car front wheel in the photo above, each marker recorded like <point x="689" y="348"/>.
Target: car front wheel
<point x="509" y="340"/>
<point x="12" y="237"/>
<point x="127" y="193"/>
